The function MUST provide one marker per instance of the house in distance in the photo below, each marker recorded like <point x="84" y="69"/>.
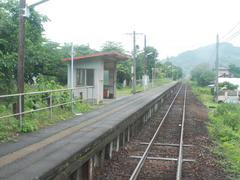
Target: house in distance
<point x="98" y="70"/>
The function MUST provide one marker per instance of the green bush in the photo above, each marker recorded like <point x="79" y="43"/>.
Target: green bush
<point x="119" y="85"/>
<point x="224" y="128"/>
<point x="30" y="125"/>
<point x="2" y="108"/>
<point x="202" y="74"/>
<point x="229" y="113"/>
<point x="8" y="128"/>
<point x="228" y="85"/>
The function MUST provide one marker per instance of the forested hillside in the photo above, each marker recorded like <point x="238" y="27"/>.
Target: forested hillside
<point x="228" y="54"/>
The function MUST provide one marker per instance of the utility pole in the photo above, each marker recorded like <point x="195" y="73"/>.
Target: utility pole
<point x="72" y="55"/>
<point x="134" y="59"/>
<point x="134" y="62"/>
<point x="23" y="12"/>
<point x="216" y="67"/>
<point x="21" y="37"/>
<point x="145" y="80"/>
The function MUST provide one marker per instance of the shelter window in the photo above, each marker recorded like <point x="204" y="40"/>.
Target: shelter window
<point x="80" y="77"/>
<point x="85" y="77"/>
<point x="106" y="77"/>
<point x="90" y="77"/>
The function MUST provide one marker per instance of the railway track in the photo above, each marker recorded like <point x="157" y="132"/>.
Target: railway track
<point x="163" y="150"/>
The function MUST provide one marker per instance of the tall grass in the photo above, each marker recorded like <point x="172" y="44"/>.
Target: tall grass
<point x="9" y="127"/>
<point x="224" y="127"/>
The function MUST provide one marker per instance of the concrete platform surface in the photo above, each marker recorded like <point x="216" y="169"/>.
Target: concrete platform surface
<point x="37" y="153"/>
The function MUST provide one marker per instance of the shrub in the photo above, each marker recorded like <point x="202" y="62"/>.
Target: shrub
<point x="225" y="108"/>
<point x="202" y="74"/>
<point x="228" y="85"/>
<point x="8" y="127"/>
<point x="119" y="85"/>
<point x="229" y="115"/>
<point x="30" y="125"/>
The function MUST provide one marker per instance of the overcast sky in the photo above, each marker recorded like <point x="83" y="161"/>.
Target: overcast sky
<point x="171" y="26"/>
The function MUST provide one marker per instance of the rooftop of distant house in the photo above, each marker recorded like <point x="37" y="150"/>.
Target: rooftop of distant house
<point x="223" y="68"/>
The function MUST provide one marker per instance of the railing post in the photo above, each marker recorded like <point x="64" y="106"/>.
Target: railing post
<point x="92" y="97"/>
<point x="72" y="100"/>
<point x="87" y="100"/>
<point x="20" y="111"/>
<point x="51" y="105"/>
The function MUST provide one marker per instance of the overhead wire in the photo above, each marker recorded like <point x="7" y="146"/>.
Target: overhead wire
<point x="231" y="30"/>
<point x="230" y="35"/>
<point x="236" y="34"/>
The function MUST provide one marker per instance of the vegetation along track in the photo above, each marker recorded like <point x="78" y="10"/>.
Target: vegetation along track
<point x="162" y="161"/>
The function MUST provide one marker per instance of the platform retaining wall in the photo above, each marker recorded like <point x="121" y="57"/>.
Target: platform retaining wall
<point x="81" y="165"/>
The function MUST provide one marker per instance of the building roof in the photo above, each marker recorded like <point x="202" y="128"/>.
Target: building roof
<point x="222" y="68"/>
<point x="112" y="54"/>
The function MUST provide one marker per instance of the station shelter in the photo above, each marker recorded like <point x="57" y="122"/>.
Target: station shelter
<point x="98" y="70"/>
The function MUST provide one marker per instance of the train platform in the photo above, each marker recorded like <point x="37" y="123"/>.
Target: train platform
<point x="45" y="153"/>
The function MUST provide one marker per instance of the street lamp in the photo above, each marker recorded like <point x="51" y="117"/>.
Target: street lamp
<point x="146" y="64"/>
<point x="145" y="77"/>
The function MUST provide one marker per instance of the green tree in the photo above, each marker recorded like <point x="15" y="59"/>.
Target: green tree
<point x="228" y="85"/>
<point x="202" y="74"/>
<point x="123" y="67"/>
<point x="80" y="50"/>
<point x="112" y="46"/>
<point x="151" y="62"/>
<point x="124" y="71"/>
<point x="235" y="70"/>
<point x="9" y="44"/>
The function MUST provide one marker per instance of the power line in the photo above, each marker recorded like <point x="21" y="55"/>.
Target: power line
<point x="233" y="36"/>
<point x="231" y="30"/>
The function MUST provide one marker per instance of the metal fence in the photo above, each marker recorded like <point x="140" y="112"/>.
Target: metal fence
<point x="50" y="96"/>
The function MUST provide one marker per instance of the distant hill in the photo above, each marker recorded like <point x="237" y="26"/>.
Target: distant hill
<point x="228" y="54"/>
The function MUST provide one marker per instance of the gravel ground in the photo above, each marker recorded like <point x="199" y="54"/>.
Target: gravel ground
<point x="196" y="133"/>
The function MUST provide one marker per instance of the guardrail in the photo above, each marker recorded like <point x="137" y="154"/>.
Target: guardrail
<point x="51" y="106"/>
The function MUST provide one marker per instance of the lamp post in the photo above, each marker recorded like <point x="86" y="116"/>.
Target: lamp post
<point x="145" y="77"/>
<point x="134" y="60"/>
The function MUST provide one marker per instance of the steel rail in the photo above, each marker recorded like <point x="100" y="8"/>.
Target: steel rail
<point x="180" y="154"/>
<point x="144" y="157"/>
